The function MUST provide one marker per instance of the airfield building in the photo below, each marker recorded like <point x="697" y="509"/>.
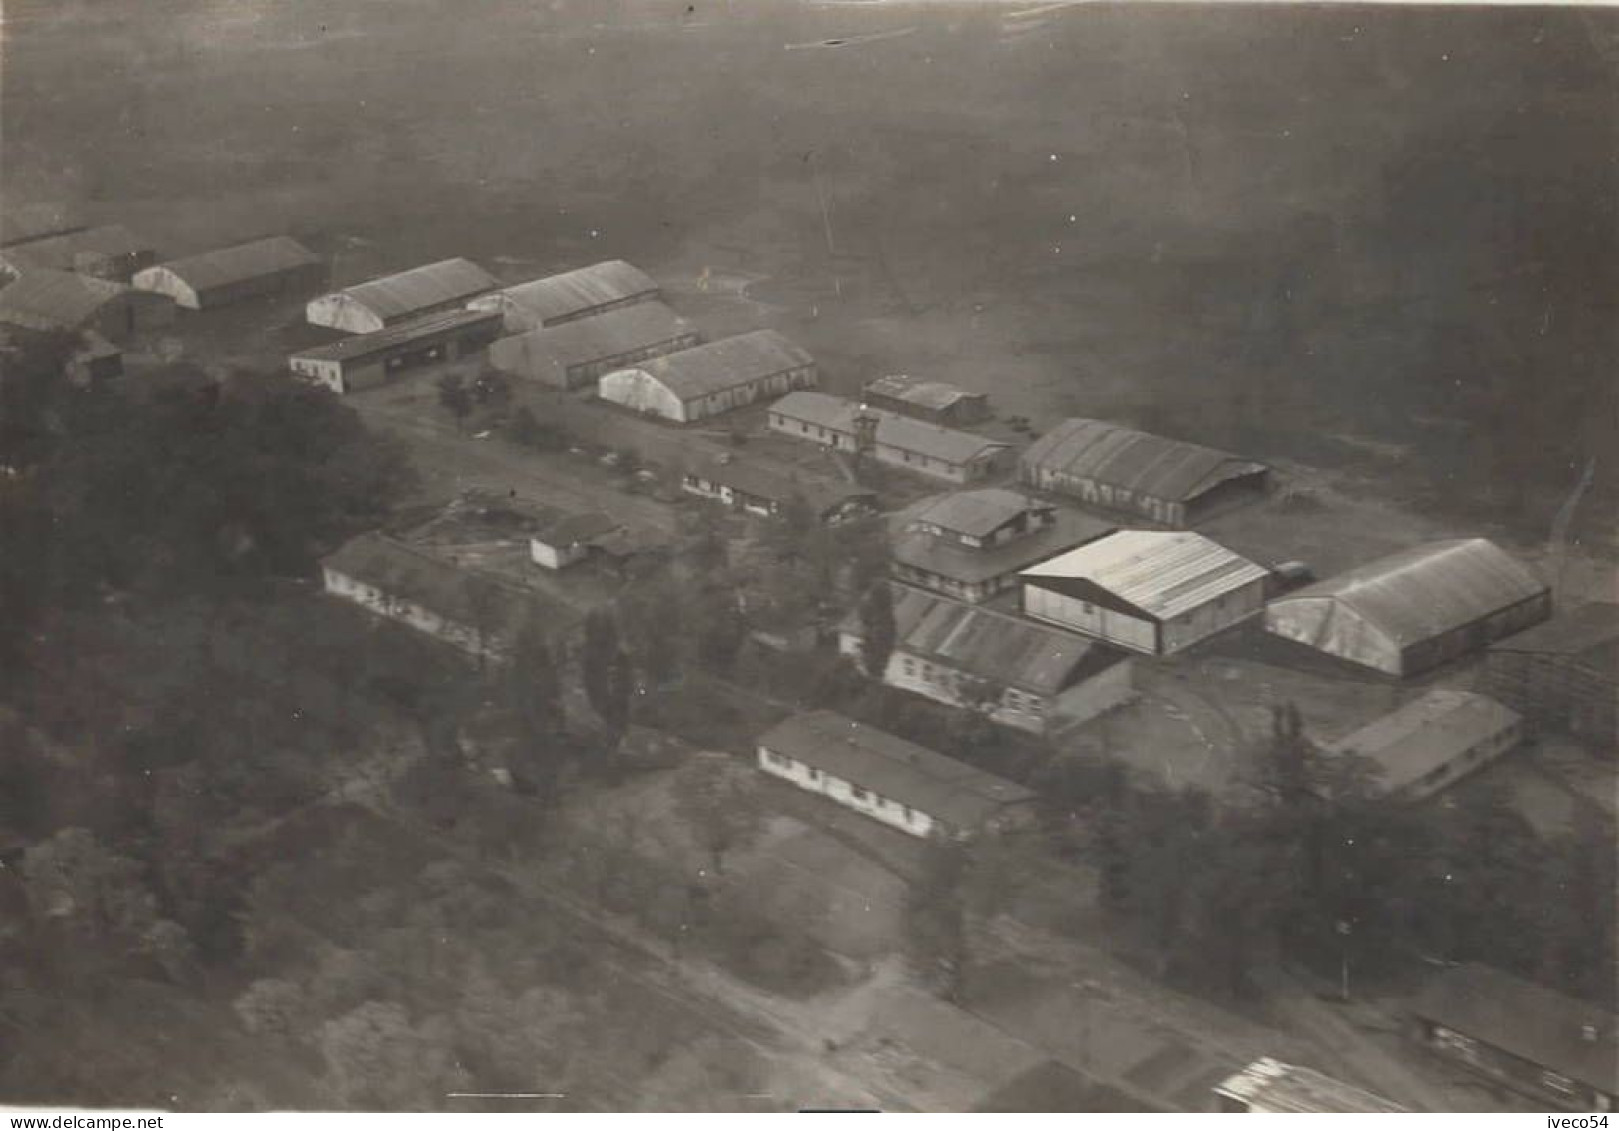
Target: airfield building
<point x="1151" y="591"/>
<point x="1168" y="481"/>
<point x="1415" y="609"/>
<point x="110" y="251"/>
<point x="1432" y="742"/>
<point x="577" y="353"/>
<point x="711" y="379"/>
<point x="1268" y="1086"/>
<point x="748" y="486"/>
<point x="901" y="784"/>
<point x="365" y="361"/>
<point x="260" y="269"/>
<point x="933" y="401"/>
<point x="1563" y="674"/>
<point x="43" y="299"/>
<point x="572" y="295"/>
<point x="899" y="441"/>
<point x="1019" y="673"/>
<point x="379" y="303"/>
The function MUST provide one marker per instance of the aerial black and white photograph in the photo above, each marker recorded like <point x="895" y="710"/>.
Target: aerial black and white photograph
<point x="764" y="556"/>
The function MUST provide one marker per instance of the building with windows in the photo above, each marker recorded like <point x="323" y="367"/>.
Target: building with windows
<point x="430" y="342"/>
<point x="1151" y="591"/>
<point x="749" y="486"/>
<point x="1171" y="482"/>
<point x="712" y="379"/>
<point x="933" y="401"/>
<point x="266" y="268"/>
<point x="1016" y="672"/>
<point x="1415" y="609"/>
<point x="374" y="305"/>
<point x="577" y="353"/>
<point x="971" y="545"/>
<point x="1563" y="675"/>
<point x="1549" y="1047"/>
<point x="563" y="538"/>
<point x="887" y="437"/>
<point x="1267" y="1086"/>
<point x="886" y="778"/>
<point x="1432" y="742"/>
<point x="582" y="293"/>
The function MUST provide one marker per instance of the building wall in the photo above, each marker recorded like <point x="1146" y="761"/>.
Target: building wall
<point x="972" y="592"/>
<point x="405" y="612"/>
<point x="640" y="391"/>
<point x="847" y="794"/>
<point x="1332" y="627"/>
<point x="340" y="312"/>
<point x="1211" y="617"/>
<point x="320" y="371"/>
<point x="1533" y="1080"/>
<point x="555" y="557"/>
<point x="1436" y="650"/>
<point x="160" y="280"/>
<point x="1165" y="511"/>
<point x="1136" y="633"/>
<point x="426" y="354"/>
<point x="1465" y="762"/>
<point x="1110" y="688"/>
<point x="1557" y="691"/>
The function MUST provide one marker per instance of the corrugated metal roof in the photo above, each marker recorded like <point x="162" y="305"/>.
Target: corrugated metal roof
<point x="614" y="333"/>
<point x="973" y="565"/>
<point x="1162" y="573"/>
<point x="566" y="295"/>
<point x="226" y="265"/>
<point x="1581" y="631"/>
<point x="401" y="333"/>
<point x="42" y="297"/>
<point x="1268" y="1085"/>
<point x="432" y="284"/>
<point x="977" y="513"/>
<point x="1529" y="1021"/>
<point x="1425" y="734"/>
<point x="951" y="791"/>
<point x="1428" y="590"/>
<point x="992" y="645"/>
<point x="61" y="252"/>
<point x="893" y="430"/>
<point x="936" y="395"/>
<point x="1135" y="461"/>
<point x="726" y="364"/>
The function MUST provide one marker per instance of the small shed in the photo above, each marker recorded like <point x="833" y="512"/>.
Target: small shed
<point x="379" y="303"/>
<point x="934" y="401"/>
<point x="561" y="538"/>
<point x="257" y="269"/>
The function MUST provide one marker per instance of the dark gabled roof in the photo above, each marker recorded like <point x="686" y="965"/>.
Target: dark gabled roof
<point x="977" y="513"/>
<point x="726" y="364"/>
<point x="752" y="478"/>
<point x="432" y="284"/>
<point x="562" y="296"/>
<point x="960" y="795"/>
<point x="564" y="528"/>
<point x="1590" y="631"/>
<point x="613" y="333"/>
<point x="1540" y="1025"/>
<point x="991" y="645"/>
<point x="224" y="266"/>
<point x="399" y="334"/>
<point x="41" y="297"/>
<point x="1425" y="734"/>
<point x="837" y="414"/>
<point x="1135" y="461"/>
<point x="1427" y="590"/>
<point x="972" y="565"/>
<point x="919" y="391"/>
<point x="62" y="251"/>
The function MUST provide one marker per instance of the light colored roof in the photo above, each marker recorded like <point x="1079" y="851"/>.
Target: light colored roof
<point x="974" y="564"/>
<point x="1136" y="461"/>
<point x="62" y="251"/>
<point x="919" y="391"/>
<point x="1428" y="590"/>
<point x="951" y="791"/>
<point x="610" y="334"/>
<point x="949" y="445"/>
<point x="752" y="478"/>
<point x="42" y="297"/>
<point x="1271" y="1086"/>
<point x="1529" y="1021"/>
<point x="226" y="265"/>
<point x="560" y="296"/>
<point x="1161" y="573"/>
<point x="432" y="284"/>
<point x="977" y="513"/>
<point x="726" y="364"/>
<point x="401" y="333"/>
<point x="1426" y="734"/>
<point x="991" y="645"/>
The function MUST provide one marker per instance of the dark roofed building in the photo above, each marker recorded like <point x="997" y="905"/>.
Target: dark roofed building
<point x="749" y="486"/>
<point x="889" y="779"/>
<point x="368" y="360"/>
<point x="110" y="251"/>
<point x="1563" y="674"/>
<point x="933" y="401"/>
<point x="1415" y="609"/>
<point x="1022" y="674"/>
<point x="1169" y="481"/>
<point x="577" y="353"/>
<point x="257" y="269"/>
<point x="581" y="293"/>
<point x="43" y="299"/>
<point x="1536" y="1041"/>
<point x="899" y="441"/>
<point x="379" y="303"/>
<point x="707" y="380"/>
<point x="1432" y="742"/>
<point x="561" y="538"/>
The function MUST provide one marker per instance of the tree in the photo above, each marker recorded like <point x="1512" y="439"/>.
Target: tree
<point x="606" y="673"/>
<point x="936" y="944"/>
<point x="720" y="806"/>
<point x="533" y="685"/>
<point x="485" y="604"/>
<point x="455" y="398"/>
<point x="878" y="632"/>
<point x="377" y="1060"/>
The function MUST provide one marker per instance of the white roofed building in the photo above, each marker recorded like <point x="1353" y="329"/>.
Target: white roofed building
<point x="262" y="268"/>
<point x="576" y="353"/>
<point x="370" y="306"/>
<point x="707" y="380"/>
<point x="582" y="293"/>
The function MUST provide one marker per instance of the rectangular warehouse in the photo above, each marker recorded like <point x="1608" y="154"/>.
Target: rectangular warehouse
<point x="899" y="441"/>
<point x="558" y="299"/>
<point x="1169" y="481"/>
<point x="933" y="401"/>
<point x="1564" y="674"/>
<point x="1415" y="609"/>
<point x="901" y="784"/>
<point x="711" y="379"/>
<point x="42" y="299"/>
<point x="1431" y="743"/>
<point x="1148" y="590"/>
<point x="110" y="251"/>
<point x="576" y="353"/>
<point x="371" y="306"/>
<point x="368" y="360"/>
<point x="1021" y="674"/>
<point x="260" y="269"/>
